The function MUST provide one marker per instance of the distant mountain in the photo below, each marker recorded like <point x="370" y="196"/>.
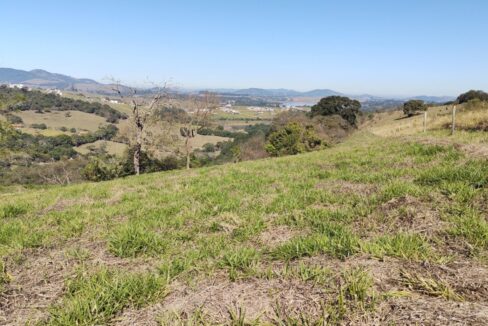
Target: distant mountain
<point x="39" y="78"/>
<point x="281" y="92"/>
<point x="433" y="99"/>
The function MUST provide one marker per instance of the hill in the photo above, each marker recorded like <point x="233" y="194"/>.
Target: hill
<point x="373" y="231"/>
<point x="39" y="78"/>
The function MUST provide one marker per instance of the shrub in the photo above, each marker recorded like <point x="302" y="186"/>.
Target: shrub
<point x="343" y="106"/>
<point x="14" y="119"/>
<point x="209" y="147"/>
<point x="292" y="139"/>
<point x="412" y="107"/>
<point x="472" y="95"/>
<point x="41" y="126"/>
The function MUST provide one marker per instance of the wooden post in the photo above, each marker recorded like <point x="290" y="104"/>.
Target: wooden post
<point x="453" y="125"/>
<point x="425" y="121"/>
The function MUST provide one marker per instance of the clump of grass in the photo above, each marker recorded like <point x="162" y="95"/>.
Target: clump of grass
<point x="237" y="317"/>
<point x="426" y="150"/>
<point x="429" y="286"/>
<point x="177" y="266"/>
<point x="356" y="292"/>
<point x="95" y="299"/>
<point x="4" y="276"/>
<point x="474" y="173"/>
<point x="240" y="260"/>
<point x="12" y="210"/>
<point x="131" y="240"/>
<point x="401" y="245"/>
<point x="334" y="240"/>
<point x="303" y="272"/>
<point x="469" y="225"/>
<point x="357" y="285"/>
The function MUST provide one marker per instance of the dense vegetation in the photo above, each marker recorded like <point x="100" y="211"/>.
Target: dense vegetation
<point x="472" y="95"/>
<point x="338" y="105"/>
<point x="13" y="99"/>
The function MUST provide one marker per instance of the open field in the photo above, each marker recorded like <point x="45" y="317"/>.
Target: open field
<point x="374" y="230"/>
<point x="69" y="119"/>
<point x="111" y="147"/>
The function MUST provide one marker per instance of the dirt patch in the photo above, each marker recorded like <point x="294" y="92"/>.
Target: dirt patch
<point x="63" y="204"/>
<point x="276" y="235"/>
<point x="217" y="296"/>
<point x="348" y="187"/>
<point x="466" y="278"/>
<point x="402" y="214"/>
<point x="36" y="284"/>
<point x="419" y="310"/>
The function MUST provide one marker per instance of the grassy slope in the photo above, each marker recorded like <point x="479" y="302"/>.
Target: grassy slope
<point x="372" y="231"/>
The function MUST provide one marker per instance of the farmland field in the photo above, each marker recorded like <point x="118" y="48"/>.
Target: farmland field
<point x="69" y="119"/>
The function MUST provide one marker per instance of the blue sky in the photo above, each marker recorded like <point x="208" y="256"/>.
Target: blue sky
<point x="407" y="47"/>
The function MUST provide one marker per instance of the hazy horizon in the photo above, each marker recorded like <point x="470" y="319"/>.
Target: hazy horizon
<point x="381" y="48"/>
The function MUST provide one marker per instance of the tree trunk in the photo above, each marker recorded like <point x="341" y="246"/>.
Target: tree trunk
<point x="187" y="147"/>
<point x="137" y="159"/>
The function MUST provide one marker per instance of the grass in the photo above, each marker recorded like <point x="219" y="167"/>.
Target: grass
<point x="292" y="220"/>
<point x="132" y="240"/>
<point x="57" y="119"/>
<point x="429" y="285"/>
<point x="402" y="245"/>
<point x="95" y="299"/>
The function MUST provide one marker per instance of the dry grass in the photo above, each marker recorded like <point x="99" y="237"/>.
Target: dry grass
<point x="57" y="119"/>
<point x="111" y="147"/>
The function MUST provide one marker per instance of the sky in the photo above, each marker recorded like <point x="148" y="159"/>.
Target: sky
<point x="394" y="47"/>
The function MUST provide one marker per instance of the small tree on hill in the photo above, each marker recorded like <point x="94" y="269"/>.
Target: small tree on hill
<point x="472" y="95"/>
<point x="142" y="108"/>
<point x="340" y="105"/>
<point x="412" y="107"/>
<point x="201" y="108"/>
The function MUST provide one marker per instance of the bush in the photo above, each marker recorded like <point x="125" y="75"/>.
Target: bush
<point x="14" y="119"/>
<point x="472" y="95"/>
<point x="412" y="107"/>
<point x="292" y="139"/>
<point x="345" y="107"/>
<point x="96" y="170"/>
<point x="41" y="126"/>
<point x="209" y="147"/>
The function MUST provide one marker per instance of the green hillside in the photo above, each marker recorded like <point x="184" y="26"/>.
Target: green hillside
<point x="374" y="230"/>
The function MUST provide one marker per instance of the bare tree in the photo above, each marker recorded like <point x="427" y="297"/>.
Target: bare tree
<point x="142" y="108"/>
<point x="201" y="108"/>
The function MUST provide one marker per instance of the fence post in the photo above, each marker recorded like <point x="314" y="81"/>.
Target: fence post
<point x="425" y="121"/>
<point x="453" y="125"/>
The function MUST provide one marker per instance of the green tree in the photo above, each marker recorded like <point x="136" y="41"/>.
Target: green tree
<point x="412" y="107"/>
<point x="347" y="108"/>
<point x="292" y="139"/>
<point x="472" y="95"/>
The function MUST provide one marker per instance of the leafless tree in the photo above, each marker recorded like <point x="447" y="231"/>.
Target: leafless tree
<point x="200" y="109"/>
<point x="142" y="107"/>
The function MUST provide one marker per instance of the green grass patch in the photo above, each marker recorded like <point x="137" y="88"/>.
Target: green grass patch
<point x="133" y="239"/>
<point x="12" y="210"/>
<point x="95" y="299"/>
<point x="402" y="245"/>
<point x="333" y="240"/>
